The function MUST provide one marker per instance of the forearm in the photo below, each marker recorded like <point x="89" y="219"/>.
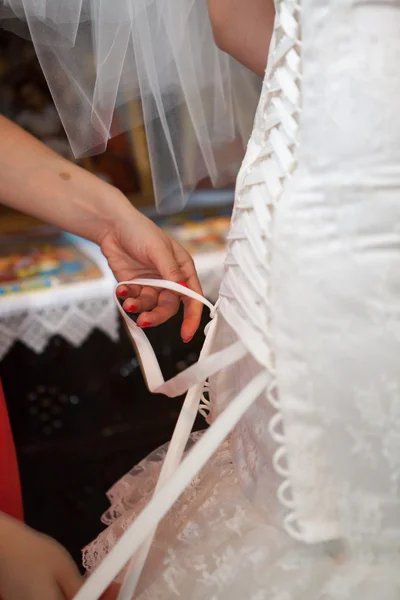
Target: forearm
<point x="37" y="181"/>
<point x="243" y="29"/>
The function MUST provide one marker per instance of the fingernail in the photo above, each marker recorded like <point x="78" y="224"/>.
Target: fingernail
<point x="187" y="340"/>
<point x="184" y="284"/>
<point x="145" y="324"/>
<point x="131" y="308"/>
<point x="122" y="293"/>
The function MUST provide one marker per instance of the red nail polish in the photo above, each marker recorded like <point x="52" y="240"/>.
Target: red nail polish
<point x="184" y="284"/>
<point x="123" y="293"/>
<point x="131" y="308"/>
<point x="145" y="324"/>
<point x="187" y="340"/>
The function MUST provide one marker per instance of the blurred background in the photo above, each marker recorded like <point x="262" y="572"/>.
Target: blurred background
<point x="79" y="408"/>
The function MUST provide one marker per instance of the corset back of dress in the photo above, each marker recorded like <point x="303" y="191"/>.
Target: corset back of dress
<point x="251" y="443"/>
<point x="331" y="237"/>
<point x="245" y="290"/>
<point x="252" y="446"/>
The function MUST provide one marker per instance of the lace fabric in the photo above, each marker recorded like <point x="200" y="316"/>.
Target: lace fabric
<point x="74" y="322"/>
<point x="215" y="544"/>
<point x="129" y="495"/>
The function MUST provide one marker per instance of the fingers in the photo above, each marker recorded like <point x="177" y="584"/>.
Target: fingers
<point x="186" y="267"/>
<point x="128" y="292"/>
<point x="145" y="301"/>
<point x="191" y="319"/>
<point x="174" y="263"/>
<point x="192" y="308"/>
<point x="154" y="307"/>
<point x="167" y="307"/>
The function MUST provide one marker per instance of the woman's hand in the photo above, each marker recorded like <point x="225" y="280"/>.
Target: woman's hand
<point x="33" y="566"/>
<point x="135" y="247"/>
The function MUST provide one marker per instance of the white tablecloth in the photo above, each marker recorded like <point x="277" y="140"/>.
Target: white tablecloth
<point x="74" y="311"/>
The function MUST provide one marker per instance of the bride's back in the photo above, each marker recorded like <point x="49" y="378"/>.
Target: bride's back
<point x="325" y="439"/>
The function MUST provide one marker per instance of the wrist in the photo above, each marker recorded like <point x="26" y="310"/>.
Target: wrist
<point x="113" y="210"/>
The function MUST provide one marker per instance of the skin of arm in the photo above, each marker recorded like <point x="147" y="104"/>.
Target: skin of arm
<point x="38" y="182"/>
<point x="243" y="29"/>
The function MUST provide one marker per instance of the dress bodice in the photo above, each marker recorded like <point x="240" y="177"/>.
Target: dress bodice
<point x="319" y="223"/>
<point x="256" y="442"/>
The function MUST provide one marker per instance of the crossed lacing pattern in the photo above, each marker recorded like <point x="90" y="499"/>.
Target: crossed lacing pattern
<point x="252" y="220"/>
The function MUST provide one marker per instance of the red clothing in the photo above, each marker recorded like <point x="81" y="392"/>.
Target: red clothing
<point x="10" y="487"/>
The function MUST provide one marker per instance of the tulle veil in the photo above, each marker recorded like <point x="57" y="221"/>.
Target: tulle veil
<point x="99" y="56"/>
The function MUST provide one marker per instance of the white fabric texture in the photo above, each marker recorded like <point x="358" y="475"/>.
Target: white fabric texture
<point x="98" y="56"/>
<point x="302" y="499"/>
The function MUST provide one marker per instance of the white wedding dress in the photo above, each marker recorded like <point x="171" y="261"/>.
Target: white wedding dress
<point x="302" y="499"/>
